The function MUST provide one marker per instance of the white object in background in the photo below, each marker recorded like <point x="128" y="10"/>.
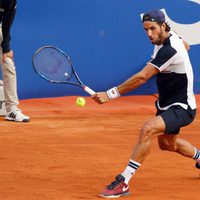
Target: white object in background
<point x="189" y="32"/>
<point x="2" y="100"/>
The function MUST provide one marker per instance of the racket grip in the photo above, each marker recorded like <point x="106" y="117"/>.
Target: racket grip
<point x="89" y="90"/>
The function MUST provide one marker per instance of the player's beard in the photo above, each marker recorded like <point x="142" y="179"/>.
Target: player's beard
<point x="159" y="41"/>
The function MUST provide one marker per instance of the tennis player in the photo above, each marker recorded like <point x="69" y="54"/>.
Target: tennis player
<point x="7" y="14"/>
<point x="176" y="105"/>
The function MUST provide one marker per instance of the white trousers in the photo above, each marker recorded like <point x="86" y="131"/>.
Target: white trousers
<point x="9" y="81"/>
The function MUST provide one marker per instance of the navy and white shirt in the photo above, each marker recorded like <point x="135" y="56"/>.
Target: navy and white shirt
<point x="175" y="80"/>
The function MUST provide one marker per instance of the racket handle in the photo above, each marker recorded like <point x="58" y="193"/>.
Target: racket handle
<point x="89" y="90"/>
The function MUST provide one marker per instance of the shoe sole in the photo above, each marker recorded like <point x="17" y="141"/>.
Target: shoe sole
<point x="11" y="119"/>
<point x="114" y="196"/>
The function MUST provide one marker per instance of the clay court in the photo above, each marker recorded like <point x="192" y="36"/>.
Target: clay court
<point x="68" y="153"/>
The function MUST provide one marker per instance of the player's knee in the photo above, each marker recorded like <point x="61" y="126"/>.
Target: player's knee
<point x="163" y="147"/>
<point x="146" y="133"/>
<point x="167" y="147"/>
<point x="172" y="147"/>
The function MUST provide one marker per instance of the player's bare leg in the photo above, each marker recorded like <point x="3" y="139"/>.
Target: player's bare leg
<point x="152" y="128"/>
<point x="183" y="147"/>
<point x="172" y="143"/>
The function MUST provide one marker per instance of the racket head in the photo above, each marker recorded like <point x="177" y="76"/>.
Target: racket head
<point x="54" y="65"/>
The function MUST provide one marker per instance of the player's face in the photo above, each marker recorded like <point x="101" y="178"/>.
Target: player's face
<point x="155" y="32"/>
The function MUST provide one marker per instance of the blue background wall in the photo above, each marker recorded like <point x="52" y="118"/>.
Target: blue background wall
<point x="104" y="38"/>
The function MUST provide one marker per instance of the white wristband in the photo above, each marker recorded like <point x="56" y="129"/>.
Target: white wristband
<point x="113" y="93"/>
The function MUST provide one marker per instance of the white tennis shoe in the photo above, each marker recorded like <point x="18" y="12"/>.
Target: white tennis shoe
<point x="17" y="116"/>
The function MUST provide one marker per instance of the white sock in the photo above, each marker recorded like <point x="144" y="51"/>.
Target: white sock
<point x="130" y="170"/>
<point x="196" y="155"/>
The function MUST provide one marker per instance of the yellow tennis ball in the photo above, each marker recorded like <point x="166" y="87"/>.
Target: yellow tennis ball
<point x="80" y="101"/>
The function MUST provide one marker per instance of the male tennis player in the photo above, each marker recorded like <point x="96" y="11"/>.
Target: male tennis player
<point x="7" y="14"/>
<point x="176" y="106"/>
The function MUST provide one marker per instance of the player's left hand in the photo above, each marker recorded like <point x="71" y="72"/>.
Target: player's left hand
<point x="100" y="97"/>
<point x="9" y="54"/>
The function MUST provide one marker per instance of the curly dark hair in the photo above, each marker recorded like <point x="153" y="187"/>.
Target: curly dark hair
<point x="168" y="28"/>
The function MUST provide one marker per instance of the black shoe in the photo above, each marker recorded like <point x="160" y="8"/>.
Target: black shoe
<point x="197" y="165"/>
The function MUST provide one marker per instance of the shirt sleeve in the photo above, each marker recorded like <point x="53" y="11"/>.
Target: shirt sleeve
<point x="8" y="15"/>
<point x="164" y="58"/>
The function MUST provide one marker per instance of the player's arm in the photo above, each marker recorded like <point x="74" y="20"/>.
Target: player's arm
<point x="187" y="46"/>
<point x="130" y="84"/>
<point x="138" y="79"/>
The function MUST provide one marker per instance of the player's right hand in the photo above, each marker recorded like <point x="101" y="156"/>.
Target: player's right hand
<point x="100" y="97"/>
<point x="9" y="54"/>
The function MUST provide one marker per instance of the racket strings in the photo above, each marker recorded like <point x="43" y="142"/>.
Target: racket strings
<point x="52" y="64"/>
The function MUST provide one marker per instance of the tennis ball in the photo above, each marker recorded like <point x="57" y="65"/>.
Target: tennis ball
<point x="80" y="101"/>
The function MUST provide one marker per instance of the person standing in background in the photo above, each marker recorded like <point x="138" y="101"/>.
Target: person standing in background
<point x="7" y="14"/>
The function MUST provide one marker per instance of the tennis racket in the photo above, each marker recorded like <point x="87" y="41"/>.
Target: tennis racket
<point x="55" y="66"/>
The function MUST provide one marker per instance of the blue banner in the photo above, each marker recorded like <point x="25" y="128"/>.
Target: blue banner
<point x="104" y="38"/>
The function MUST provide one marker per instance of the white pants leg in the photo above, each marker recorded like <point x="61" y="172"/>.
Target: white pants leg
<point x="9" y="80"/>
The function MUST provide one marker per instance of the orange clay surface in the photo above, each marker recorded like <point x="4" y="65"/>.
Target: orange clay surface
<point x="67" y="152"/>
